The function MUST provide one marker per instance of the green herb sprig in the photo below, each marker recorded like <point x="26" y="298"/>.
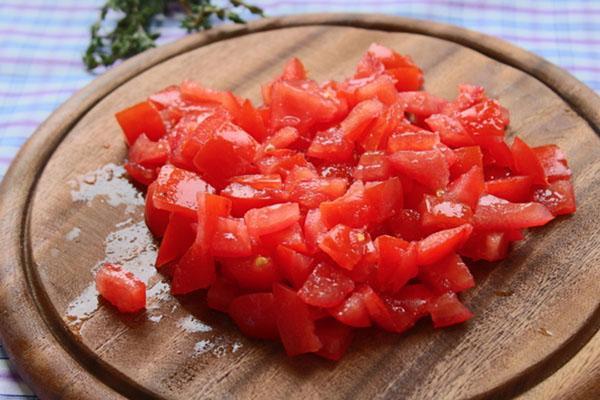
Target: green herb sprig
<point x="132" y="33"/>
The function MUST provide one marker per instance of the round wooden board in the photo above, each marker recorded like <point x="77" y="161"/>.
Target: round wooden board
<point x="63" y="211"/>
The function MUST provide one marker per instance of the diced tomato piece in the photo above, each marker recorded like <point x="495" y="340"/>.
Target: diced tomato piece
<point x="450" y="130"/>
<point x="450" y="274"/>
<point x="345" y="246"/>
<point x="245" y="197"/>
<point x="416" y="141"/>
<point x="361" y="116"/>
<point x="527" y="163"/>
<point x="314" y="227"/>
<point x="488" y="246"/>
<point x="335" y="337"/>
<point x="373" y="166"/>
<point x="416" y="299"/>
<point x="281" y="161"/>
<point x="156" y="219"/>
<point x="141" y="174"/>
<point x="250" y="119"/>
<point x="292" y="71"/>
<point x="259" y="181"/>
<point x="352" y="312"/>
<point x="406" y="224"/>
<point x="294" y="323"/>
<point x="253" y="273"/>
<point x="331" y="145"/>
<point x="429" y="167"/>
<point x="231" y="238"/>
<point x="351" y="209"/>
<point x="326" y="287"/>
<point x="558" y="197"/>
<point x="293" y="266"/>
<point x="292" y="236"/>
<point x="177" y="239"/>
<point x="383" y="199"/>
<point x="148" y="153"/>
<point x="553" y="162"/>
<point x="269" y="219"/>
<point x="141" y="118"/>
<point x="193" y="92"/>
<point x="397" y="262"/>
<point x="377" y="134"/>
<point x="381" y="88"/>
<point x="422" y="103"/>
<point x="229" y="152"/>
<point x="194" y="270"/>
<point x="302" y="104"/>
<point x="516" y="189"/>
<point x="494" y="214"/>
<point x="438" y="213"/>
<point x="220" y="294"/>
<point x="495" y="151"/>
<point x="467" y="188"/>
<point x="210" y="208"/>
<point x="484" y="119"/>
<point x="311" y="193"/>
<point x="121" y="288"/>
<point x="467" y="158"/>
<point x="440" y="244"/>
<point x="168" y="97"/>
<point x="176" y="190"/>
<point x="255" y="315"/>
<point x="447" y="310"/>
<point x="381" y="313"/>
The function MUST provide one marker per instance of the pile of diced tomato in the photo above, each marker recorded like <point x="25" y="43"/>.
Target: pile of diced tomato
<point x="333" y="206"/>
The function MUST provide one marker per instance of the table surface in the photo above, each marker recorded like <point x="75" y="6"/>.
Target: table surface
<point x="41" y="43"/>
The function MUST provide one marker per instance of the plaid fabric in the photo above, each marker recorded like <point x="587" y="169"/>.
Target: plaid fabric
<point x="41" y="43"/>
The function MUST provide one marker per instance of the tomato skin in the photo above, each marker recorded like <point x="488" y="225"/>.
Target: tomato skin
<point x="440" y="244"/>
<point x="488" y="246"/>
<point x="486" y="118"/>
<point x="294" y="323"/>
<point x="495" y="214"/>
<point x="558" y="197"/>
<point x="553" y="162"/>
<point x="310" y="193"/>
<point x="335" y="338"/>
<point x="382" y="314"/>
<point x="345" y="246"/>
<point x="250" y="119"/>
<point x="352" y="312"/>
<point x="121" y="288"/>
<point x="526" y="162"/>
<point x="447" y="310"/>
<point x="294" y="266"/>
<point x="357" y="121"/>
<point x="414" y="141"/>
<point x="141" y="118"/>
<point x="220" y="294"/>
<point x="331" y="145"/>
<point x="325" y="287"/>
<point x="376" y="136"/>
<point x="194" y="270"/>
<point x="245" y="197"/>
<point x="516" y="189"/>
<point x="450" y="274"/>
<point x="397" y="263"/>
<point x="179" y="236"/>
<point x="270" y="219"/>
<point x="176" y="190"/>
<point x="156" y="219"/>
<point x="254" y="314"/>
<point x="373" y="166"/>
<point x="292" y="237"/>
<point x="467" y="158"/>
<point x="383" y="199"/>
<point x="252" y="273"/>
<point x="422" y="103"/>
<point x="141" y="174"/>
<point x="351" y="209"/>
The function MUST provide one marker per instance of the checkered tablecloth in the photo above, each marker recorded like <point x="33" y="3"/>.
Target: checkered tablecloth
<point x="41" y="43"/>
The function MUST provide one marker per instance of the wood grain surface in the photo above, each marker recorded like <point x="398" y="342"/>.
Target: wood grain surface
<point x="66" y="206"/>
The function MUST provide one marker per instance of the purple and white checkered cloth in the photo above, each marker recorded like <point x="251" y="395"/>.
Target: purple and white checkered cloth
<point x="41" y="43"/>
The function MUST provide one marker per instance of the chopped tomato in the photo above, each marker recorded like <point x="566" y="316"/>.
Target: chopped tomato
<point x="449" y="274"/>
<point x="496" y="214"/>
<point x="428" y="167"/>
<point x="295" y="267"/>
<point x="294" y="323"/>
<point x="397" y="262"/>
<point x="156" y="219"/>
<point x="270" y="219"/>
<point x="194" y="270"/>
<point x="352" y="312"/>
<point x="440" y="244"/>
<point x="292" y="237"/>
<point x="438" y="213"/>
<point x="335" y="337"/>
<point x="450" y="130"/>
<point x="141" y="118"/>
<point x="141" y="174"/>
<point x="314" y="227"/>
<point x="148" y="153"/>
<point x="231" y="238"/>
<point x="415" y="299"/>
<point x="220" y="294"/>
<point x="558" y="197"/>
<point x="121" y="288"/>
<point x="326" y="287"/>
<point x="373" y="166"/>
<point x="553" y="161"/>
<point x="516" y="189"/>
<point x="345" y="246"/>
<point x="527" y="163"/>
<point x="447" y="310"/>
<point x="179" y="236"/>
<point x="255" y="315"/>
<point x="253" y="273"/>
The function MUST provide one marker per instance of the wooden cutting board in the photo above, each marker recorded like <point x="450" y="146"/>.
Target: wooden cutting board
<point x="66" y="206"/>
